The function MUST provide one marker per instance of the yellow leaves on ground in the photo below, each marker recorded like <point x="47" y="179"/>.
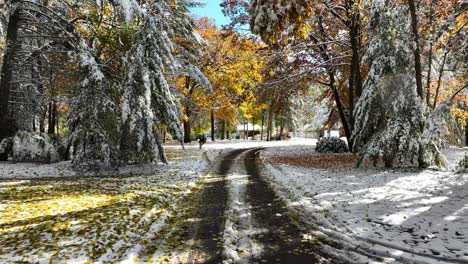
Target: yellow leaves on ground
<point x="61" y="220"/>
<point x="61" y="204"/>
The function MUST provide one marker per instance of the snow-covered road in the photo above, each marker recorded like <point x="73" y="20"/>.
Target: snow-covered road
<point x="256" y="227"/>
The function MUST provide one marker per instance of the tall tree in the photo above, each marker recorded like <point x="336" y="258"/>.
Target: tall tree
<point x="148" y="100"/>
<point x="389" y="115"/>
<point x="6" y="124"/>
<point x="417" y="49"/>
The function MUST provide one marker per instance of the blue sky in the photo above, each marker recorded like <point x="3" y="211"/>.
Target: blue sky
<point x="212" y="10"/>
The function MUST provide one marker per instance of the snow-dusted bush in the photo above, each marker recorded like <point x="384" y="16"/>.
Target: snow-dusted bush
<point x="6" y="147"/>
<point x="35" y="147"/>
<point x="389" y="114"/>
<point x="435" y="135"/>
<point x="331" y="145"/>
<point x="463" y="164"/>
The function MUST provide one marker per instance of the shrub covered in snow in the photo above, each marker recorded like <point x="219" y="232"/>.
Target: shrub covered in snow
<point x="5" y="148"/>
<point x="463" y="165"/>
<point x="331" y="145"/>
<point x="33" y="146"/>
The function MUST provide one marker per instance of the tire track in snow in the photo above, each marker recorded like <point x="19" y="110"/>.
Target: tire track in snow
<point x="283" y="240"/>
<point x="208" y="232"/>
<point x="239" y="245"/>
<point x="240" y="219"/>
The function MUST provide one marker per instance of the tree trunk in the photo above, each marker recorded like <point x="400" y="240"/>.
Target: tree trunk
<point x="247" y="129"/>
<point x="187" y="128"/>
<point x="357" y="62"/>
<point x="439" y="81"/>
<point x="212" y="118"/>
<point x="49" y="118"/>
<point x="270" y="122"/>
<point x="428" y="79"/>
<point x="466" y="134"/>
<point x="7" y="126"/>
<point x="187" y="124"/>
<point x="57" y="119"/>
<point x="52" y="117"/>
<point x="417" y="51"/>
<point x="280" y="136"/>
<point x="340" y="107"/>
<point x="244" y="129"/>
<point x="41" y="122"/>
<point x="263" y="123"/>
<point x="223" y="130"/>
<point x="355" y="81"/>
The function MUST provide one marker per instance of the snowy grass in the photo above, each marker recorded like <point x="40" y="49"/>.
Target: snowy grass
<point x="403" y="214"/>
<point x="55" y="218"/>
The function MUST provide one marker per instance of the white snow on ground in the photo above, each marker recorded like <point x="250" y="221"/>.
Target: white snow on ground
<point x="405" y="215"/>
<point x="240" y="144"/>
<point x="215" y="149"/>
<point x="27" y="170"/>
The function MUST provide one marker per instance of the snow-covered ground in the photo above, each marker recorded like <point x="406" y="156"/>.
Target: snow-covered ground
<point x="402" y="214"/>
<point x="214" y="149"/>
<point x="48" y="211"/>
<point x="48" y="217"/>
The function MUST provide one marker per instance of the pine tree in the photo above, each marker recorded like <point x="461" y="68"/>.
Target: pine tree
<point x="389" y="114"/>
<point x="92" y="118"/>
<point x="148" y="100"/>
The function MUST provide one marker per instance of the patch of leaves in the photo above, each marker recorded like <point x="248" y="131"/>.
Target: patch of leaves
<point x="85" y="218"/>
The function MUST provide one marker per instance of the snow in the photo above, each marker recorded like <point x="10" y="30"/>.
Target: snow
<point x="49" y="213"/>
<point x="28" y="170"/>
<point x="404" y="215"/>
<point x="239" y="247"/>
<point x="129" y="8"/>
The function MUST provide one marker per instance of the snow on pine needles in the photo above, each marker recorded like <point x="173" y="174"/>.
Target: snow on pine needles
<point x="401" y="214"/>
<point x="90" y="219"/>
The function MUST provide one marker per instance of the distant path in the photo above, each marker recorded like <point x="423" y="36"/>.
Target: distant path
<point x="280" y="238"/>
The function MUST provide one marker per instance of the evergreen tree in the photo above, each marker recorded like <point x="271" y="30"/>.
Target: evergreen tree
<point x="148" y="99"/>
<point x="389" y="114"/>
<point x="92" y="118"/>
